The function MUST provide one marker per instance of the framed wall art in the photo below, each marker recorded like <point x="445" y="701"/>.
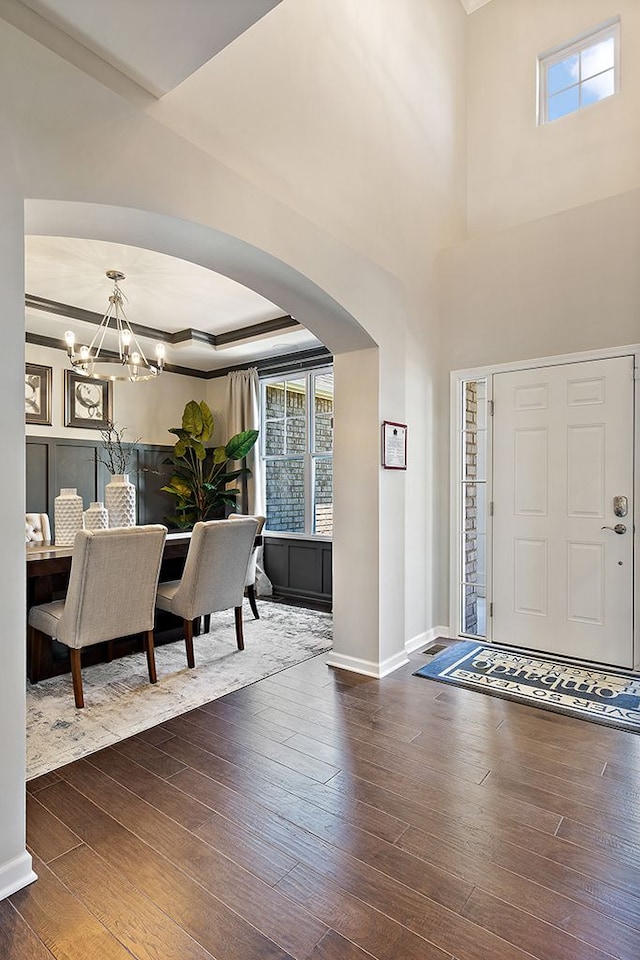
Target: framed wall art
<point x="87" y="403"/>
<point x="37" y="394"/>
<point x="394" y="445"/>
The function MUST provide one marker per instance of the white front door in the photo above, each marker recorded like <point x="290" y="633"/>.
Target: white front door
<point x="563" y="451"/>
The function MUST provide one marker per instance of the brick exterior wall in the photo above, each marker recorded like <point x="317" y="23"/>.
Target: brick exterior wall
<point x="285" y="491"/>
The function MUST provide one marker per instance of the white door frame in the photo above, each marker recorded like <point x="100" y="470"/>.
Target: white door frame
<point x="487" y="372"/>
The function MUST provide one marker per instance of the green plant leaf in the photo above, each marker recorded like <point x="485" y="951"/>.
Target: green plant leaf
<point x="178" y="487"/>
<point x="207" y="422"/>
<point x="198" y="448"/>
<point x="179" y="432"/>
<point x="219" y="455"/>
<point x="180" y="448"/>
<point x="238" y="447"/>
<point x="192" y="419"/>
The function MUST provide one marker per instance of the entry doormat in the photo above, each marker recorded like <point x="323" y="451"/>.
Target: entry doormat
<point x="606" y="696"/>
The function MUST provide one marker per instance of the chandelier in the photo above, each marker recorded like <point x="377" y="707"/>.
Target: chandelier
<point x="130" y="362"/>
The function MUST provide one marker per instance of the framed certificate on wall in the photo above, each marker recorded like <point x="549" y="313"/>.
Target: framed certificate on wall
<point x="394" y="445"/>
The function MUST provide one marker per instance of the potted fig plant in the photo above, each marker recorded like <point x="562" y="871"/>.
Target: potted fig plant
<point x="201" y="475"/>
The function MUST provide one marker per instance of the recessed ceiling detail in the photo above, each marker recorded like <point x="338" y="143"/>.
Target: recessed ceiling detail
<point x="206" y="320"/>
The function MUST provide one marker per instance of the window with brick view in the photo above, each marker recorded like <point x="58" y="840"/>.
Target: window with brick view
<point x="297" y="448"/>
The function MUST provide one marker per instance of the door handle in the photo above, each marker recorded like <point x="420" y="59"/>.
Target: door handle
<point x="619" y="528"/>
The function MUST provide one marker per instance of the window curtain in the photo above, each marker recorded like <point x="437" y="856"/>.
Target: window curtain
<point x="243" y="413"/>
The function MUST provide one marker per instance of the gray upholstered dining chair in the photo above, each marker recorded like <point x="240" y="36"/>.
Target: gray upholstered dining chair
<point x="213" y="578"/>
<point x="112" y="591"/>
<point x="37" y="528"/>
<point x="250" y="580"/>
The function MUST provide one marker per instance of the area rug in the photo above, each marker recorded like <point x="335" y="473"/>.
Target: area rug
<point x="120" y="701"/>
<point x="607" y="696"/>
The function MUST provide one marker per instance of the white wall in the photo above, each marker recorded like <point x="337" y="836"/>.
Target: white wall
<point x="566" y="283"/>
<point x="331" y="201"/>
<point x="518" y="171"/>
<point x="557" y="285"/>
<point x="146" y="409"/>
<point x="15" y="862"/>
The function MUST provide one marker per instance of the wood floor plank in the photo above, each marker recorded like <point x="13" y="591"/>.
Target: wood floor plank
<point x="622" y="851"/>
<point x="17" y="939"/>
<point x="157" y="791"/>
<point x="367" y="928"/>
<point x="431" y="881"/>
<point x="518" y="839"/>
<point x="461" y="801"/>
<point x="140" y="926"/>
<point x="237" y="728"/>
<point x="203" y="916"/>
<point x="232" y="884"/>
<point x="226" y="836"/>
<point x="539" y="939"/>
<point x="39" y="783"/>
<point x="258" y="752"/>
<point x="620" y="823"/>
<point x="64" y="925"/>
<point x="318" y="815"/>
<point x="47" y="837"/>
<point x="334" y="947"/>
<point x="146" y="755"/>
<point x="506" y="879"/>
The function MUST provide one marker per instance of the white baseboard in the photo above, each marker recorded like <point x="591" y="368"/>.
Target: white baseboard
<point x="367" y="667"/>
<point x="16" y="874"/>
<point x="427" y="637"/>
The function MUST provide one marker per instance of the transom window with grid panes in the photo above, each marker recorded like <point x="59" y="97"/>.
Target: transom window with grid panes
<point x="297" y="448"/>
<point x="579" y="73"/>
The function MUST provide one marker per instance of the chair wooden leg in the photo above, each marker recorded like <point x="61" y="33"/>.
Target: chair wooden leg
<point x="207" y="623"/>
<point x="239" y="633"/>
<point x="251" y="594"/>
<point x="76" y="674"/>
<point x="188" y="639"/>
<point x="39" y="655"/>
<point x="151" y="659"/>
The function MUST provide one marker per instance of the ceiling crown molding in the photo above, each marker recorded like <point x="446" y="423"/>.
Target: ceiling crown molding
<point x="471" y="5"/>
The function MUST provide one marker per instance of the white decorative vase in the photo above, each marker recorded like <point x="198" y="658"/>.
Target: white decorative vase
<point x="67" y="514"/>
<point x="96" y="517"/>
<point x="120" y="501"/>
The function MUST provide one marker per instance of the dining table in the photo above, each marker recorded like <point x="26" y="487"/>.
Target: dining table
<point x="47" y="569"/>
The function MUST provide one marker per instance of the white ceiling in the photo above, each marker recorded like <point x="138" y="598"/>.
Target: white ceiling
<point x="156" y="43"/>
<point x="471" y="5"/>
<point x="163" y="292"/>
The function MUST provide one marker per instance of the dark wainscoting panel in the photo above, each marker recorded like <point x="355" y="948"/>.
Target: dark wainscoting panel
<point x="299" y="568"/>
<point x="53" y="463"/>
<point x="37" y="471"/>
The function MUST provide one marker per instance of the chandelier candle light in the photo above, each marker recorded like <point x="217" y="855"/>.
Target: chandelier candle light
<point x="93" y="363"/>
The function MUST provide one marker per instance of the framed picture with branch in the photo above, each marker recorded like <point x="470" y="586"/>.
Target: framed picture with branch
<point x="87" y="403"/>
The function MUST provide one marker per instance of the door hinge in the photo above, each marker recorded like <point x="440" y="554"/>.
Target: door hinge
<point x="491" y="407"/>
<point x="491" y="609"/>
<point x="491" y="508"/>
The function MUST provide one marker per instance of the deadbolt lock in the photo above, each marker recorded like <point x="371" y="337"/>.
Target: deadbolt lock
<point x="620" y="506"/>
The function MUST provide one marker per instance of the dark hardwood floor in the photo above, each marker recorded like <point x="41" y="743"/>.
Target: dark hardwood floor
<point x="322" y="815"/>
